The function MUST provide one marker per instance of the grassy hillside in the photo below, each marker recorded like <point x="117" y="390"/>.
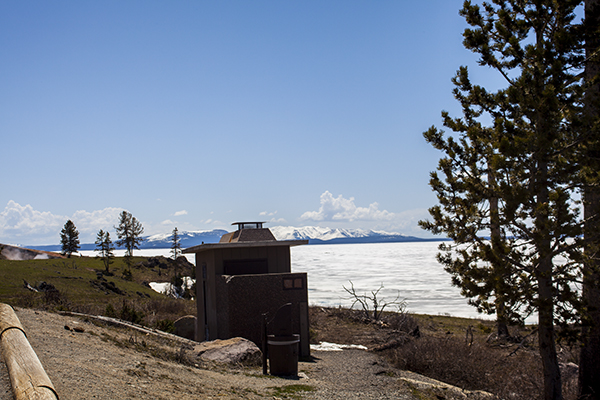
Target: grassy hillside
<point x="80" y="284"/>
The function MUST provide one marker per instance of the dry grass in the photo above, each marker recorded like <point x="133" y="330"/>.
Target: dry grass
<point x="476" y="367"/>
<point x="438" y="347"/>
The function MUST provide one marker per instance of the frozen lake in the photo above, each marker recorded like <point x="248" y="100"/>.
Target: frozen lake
<point x="408" y="269"/>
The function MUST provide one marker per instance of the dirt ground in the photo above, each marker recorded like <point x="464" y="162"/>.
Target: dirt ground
<point x="102" y="362"/>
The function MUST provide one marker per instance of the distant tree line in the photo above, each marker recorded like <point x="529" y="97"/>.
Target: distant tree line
<point x="129" y="235"/>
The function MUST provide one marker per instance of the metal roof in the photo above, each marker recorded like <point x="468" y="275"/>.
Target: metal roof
<point x="271" y="243"/>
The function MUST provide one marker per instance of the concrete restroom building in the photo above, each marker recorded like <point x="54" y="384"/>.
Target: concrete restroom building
<point x="245" y="275"/>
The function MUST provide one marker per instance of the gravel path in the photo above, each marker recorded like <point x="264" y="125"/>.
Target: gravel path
<point x="103" y="363"/>
<point x="353" y="374"/>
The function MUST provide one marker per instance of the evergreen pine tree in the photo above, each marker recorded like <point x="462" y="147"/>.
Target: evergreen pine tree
<point x="105" y="248"/>
<point x="469" y="211"/>
<point x="513" y="179"/>
<point x="69" y="238"/>
<point x="175" y="244"/>
<point x="129" y="233"/>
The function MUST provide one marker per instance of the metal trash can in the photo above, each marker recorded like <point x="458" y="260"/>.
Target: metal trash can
<point x="283" y="354"/>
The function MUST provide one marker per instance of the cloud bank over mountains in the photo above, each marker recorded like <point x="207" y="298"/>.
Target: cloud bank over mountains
<point x="341" y="209"/>
<point x="22" y="224"/>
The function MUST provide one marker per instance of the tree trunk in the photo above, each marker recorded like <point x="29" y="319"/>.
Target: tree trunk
<point x="552" y="380"/>
<point x="589" y="369"/>
<point x="498" y="257"/>
<point x="501" y="320"/>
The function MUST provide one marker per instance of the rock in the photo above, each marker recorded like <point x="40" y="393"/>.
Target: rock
<point x="183" y="263"/>
<point x="230" y="351"/>
<point x="431" y="388"/>
<point x="569" y="373"/>
<point x="393" y="344"/>
<point x="107" y="287"/>
<point x="186" y="327"/>
<point x="46" y="287"/>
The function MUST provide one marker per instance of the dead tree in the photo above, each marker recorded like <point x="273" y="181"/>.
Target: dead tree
<point x="372" y="306"/>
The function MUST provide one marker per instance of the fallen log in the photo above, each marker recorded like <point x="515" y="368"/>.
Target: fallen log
<point x="28" y="378"/>
<point x="131" y="325"/>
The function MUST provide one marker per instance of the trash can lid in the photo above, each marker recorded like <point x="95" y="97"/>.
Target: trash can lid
<point x="283" y="340"/>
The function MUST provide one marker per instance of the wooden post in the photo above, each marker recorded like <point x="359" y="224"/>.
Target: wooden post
<point x="28" y="379"/>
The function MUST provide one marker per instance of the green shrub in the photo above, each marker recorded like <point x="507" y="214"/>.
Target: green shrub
<point x="129" y="313"/>
<point x="110" y="311"/>
<point x="127" y="275"/>
<point x="484" y="329"/>
<point x="165" y="325"/>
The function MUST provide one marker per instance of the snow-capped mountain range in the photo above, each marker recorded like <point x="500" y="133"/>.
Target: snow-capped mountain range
<point x="186" y="239"/>
<point x="314" y="235"/>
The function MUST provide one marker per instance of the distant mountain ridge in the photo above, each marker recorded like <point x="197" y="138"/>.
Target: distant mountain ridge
<point x="158" y="241"/>
<point x="319" y="235"/>
<point x="314" y="235"/>
<point x="186" y="239"/>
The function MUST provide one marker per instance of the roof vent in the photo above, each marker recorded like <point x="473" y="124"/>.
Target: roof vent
<point x="248" y="232"/>
<point x="248" y="225"/>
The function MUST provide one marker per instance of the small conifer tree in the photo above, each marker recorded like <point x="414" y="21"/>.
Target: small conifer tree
<point x="105" y="248"/>
<point x="175" y="244"/>
<point x="129" y="234"/>
<point x="69" y="239"/>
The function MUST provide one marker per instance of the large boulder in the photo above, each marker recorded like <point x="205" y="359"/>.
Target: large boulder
<point x="432" y="389"/>
<point x="229" y="351"/>
<point x="186" y="327"/>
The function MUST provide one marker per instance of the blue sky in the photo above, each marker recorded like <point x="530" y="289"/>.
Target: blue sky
<point x="197" y="114"/>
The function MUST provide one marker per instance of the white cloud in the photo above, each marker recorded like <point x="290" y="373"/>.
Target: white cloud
<point x="91" y="222"/>
<point x="277" y="221"/>
<point x="180" y="213"/>
<point x="267" y="214"/>
<point x="24" y="225"/>
<point x="341" y="209"/>
<point x="20" y="222"/>
<point x="167" y="222"/>
<point x="406" y="222"/>
<point x="215" y="224"/>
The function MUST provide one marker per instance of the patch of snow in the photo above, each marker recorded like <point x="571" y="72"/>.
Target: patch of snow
<point x="160" y="287"/>
<point x="167" y="287"/>
<point x="326" y="346"/>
